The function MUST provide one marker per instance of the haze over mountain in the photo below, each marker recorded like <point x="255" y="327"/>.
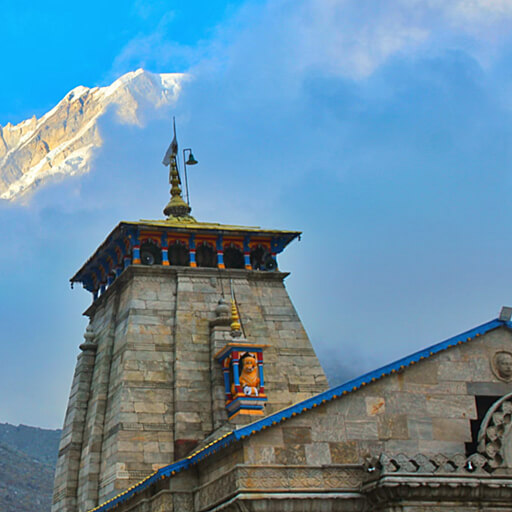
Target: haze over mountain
<point x="62" y="141"/>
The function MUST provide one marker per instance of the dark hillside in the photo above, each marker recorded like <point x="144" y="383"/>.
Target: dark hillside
<point x="39" y="443"/>
<point x="27" y="465"/>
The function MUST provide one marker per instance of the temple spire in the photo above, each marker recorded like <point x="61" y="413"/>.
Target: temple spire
<point x="176" y="207"/>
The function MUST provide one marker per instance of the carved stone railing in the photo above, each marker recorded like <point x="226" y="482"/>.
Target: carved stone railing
<point x="454" y="479"/>
<point x="422" y="464"/>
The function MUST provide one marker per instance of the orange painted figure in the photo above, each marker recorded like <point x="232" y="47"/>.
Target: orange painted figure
<point x="249" y="377"/>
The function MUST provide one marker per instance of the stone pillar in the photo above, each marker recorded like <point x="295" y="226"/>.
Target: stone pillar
<point x="66" y="474"/>
<point x="220" y="334"/>
<point x="89" y="472"/>
<point x="191" y="369"/>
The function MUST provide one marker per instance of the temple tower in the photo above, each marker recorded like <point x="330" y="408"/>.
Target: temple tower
<point x="191" y="332"/>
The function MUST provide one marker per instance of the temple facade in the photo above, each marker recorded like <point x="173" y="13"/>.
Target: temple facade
<point x="191" y="332"/>
<point x="197" y="390"/>
<point x="429" y="432"/>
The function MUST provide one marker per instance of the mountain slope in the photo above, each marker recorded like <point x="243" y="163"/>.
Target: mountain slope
<point x="27" y="465"/>
<point x="38" y="443"/>
<point x="26" y="484"/>
<point x="62" y="141"/>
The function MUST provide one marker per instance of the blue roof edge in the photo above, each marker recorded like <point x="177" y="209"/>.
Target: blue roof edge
<point x="300" y="407"/>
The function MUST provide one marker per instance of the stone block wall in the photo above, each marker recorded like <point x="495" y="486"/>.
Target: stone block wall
<point x="426" y="408"/>
<point x="317" y="459"/>
<point x="156" y="390"/>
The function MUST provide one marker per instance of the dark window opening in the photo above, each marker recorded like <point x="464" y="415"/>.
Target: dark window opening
<point x="179" y="255"/>
<point x="206" y="256"/>
<point x="233" y="257"/>
<point x="258" y="255"/>
<point x="150" y="254"/>
<point x="483" y="404"/>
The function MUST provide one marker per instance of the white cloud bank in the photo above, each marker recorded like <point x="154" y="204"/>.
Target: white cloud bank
<point x="348" y="38"/>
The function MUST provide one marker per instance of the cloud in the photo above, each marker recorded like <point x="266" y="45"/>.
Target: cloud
<point x="343" y="37"/>
<point x="151" y="50"/>
<point x="477" y="12"/>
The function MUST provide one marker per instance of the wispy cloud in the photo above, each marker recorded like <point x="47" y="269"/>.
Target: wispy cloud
<point x="343" y="37"/>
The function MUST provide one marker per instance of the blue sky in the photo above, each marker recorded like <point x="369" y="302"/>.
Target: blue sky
<point x="381" y="129"/>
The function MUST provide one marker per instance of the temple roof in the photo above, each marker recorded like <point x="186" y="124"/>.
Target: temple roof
<point x="182" y="225"/>
<point x="335" y="393"/>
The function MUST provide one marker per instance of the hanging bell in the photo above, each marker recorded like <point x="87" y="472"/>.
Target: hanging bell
<point x="191" y="160"/>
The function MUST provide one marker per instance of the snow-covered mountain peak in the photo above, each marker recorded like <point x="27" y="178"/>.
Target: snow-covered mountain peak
<point x="62" y="141"/>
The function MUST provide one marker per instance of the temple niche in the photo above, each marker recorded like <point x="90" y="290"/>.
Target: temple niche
<point x="243" y="371"/>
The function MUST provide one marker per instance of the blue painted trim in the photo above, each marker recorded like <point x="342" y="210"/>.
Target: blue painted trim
<point x="251" y="398"/>
<point x="277" y="244"/>
<point x="238" y="348"/>
<point x="236" y="372"/>
<point x="298" y="408"/>
<point x="165" y="255"/>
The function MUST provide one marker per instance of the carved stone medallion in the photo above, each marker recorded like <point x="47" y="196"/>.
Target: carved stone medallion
<point x="501" y="365"/>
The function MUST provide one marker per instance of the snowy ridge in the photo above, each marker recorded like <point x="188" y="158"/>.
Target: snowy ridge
<point x="62" y="142"/>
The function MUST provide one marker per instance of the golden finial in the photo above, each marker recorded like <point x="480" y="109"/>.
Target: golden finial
<point x="176" y="207"/>
<point x="235" y="320"/>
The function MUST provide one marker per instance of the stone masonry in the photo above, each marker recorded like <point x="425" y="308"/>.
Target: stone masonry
<point x="147" y="389"/>
<point x="333" y="457"/>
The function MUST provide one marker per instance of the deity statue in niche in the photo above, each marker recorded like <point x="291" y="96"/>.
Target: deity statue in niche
<point x="502" y="365"/>
<point x="249" y="376"/>
<point x="244" y="384"/>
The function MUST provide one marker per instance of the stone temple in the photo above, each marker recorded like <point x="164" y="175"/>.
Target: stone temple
<point x="197" y="389"/>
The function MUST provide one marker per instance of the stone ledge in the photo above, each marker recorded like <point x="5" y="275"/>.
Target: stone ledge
<point x="279" y="478"/>
<point x="160" y="270"/>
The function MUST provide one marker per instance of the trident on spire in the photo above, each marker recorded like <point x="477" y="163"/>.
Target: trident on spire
<point x="176" y="207"/>
<point x="172" y="150"/>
